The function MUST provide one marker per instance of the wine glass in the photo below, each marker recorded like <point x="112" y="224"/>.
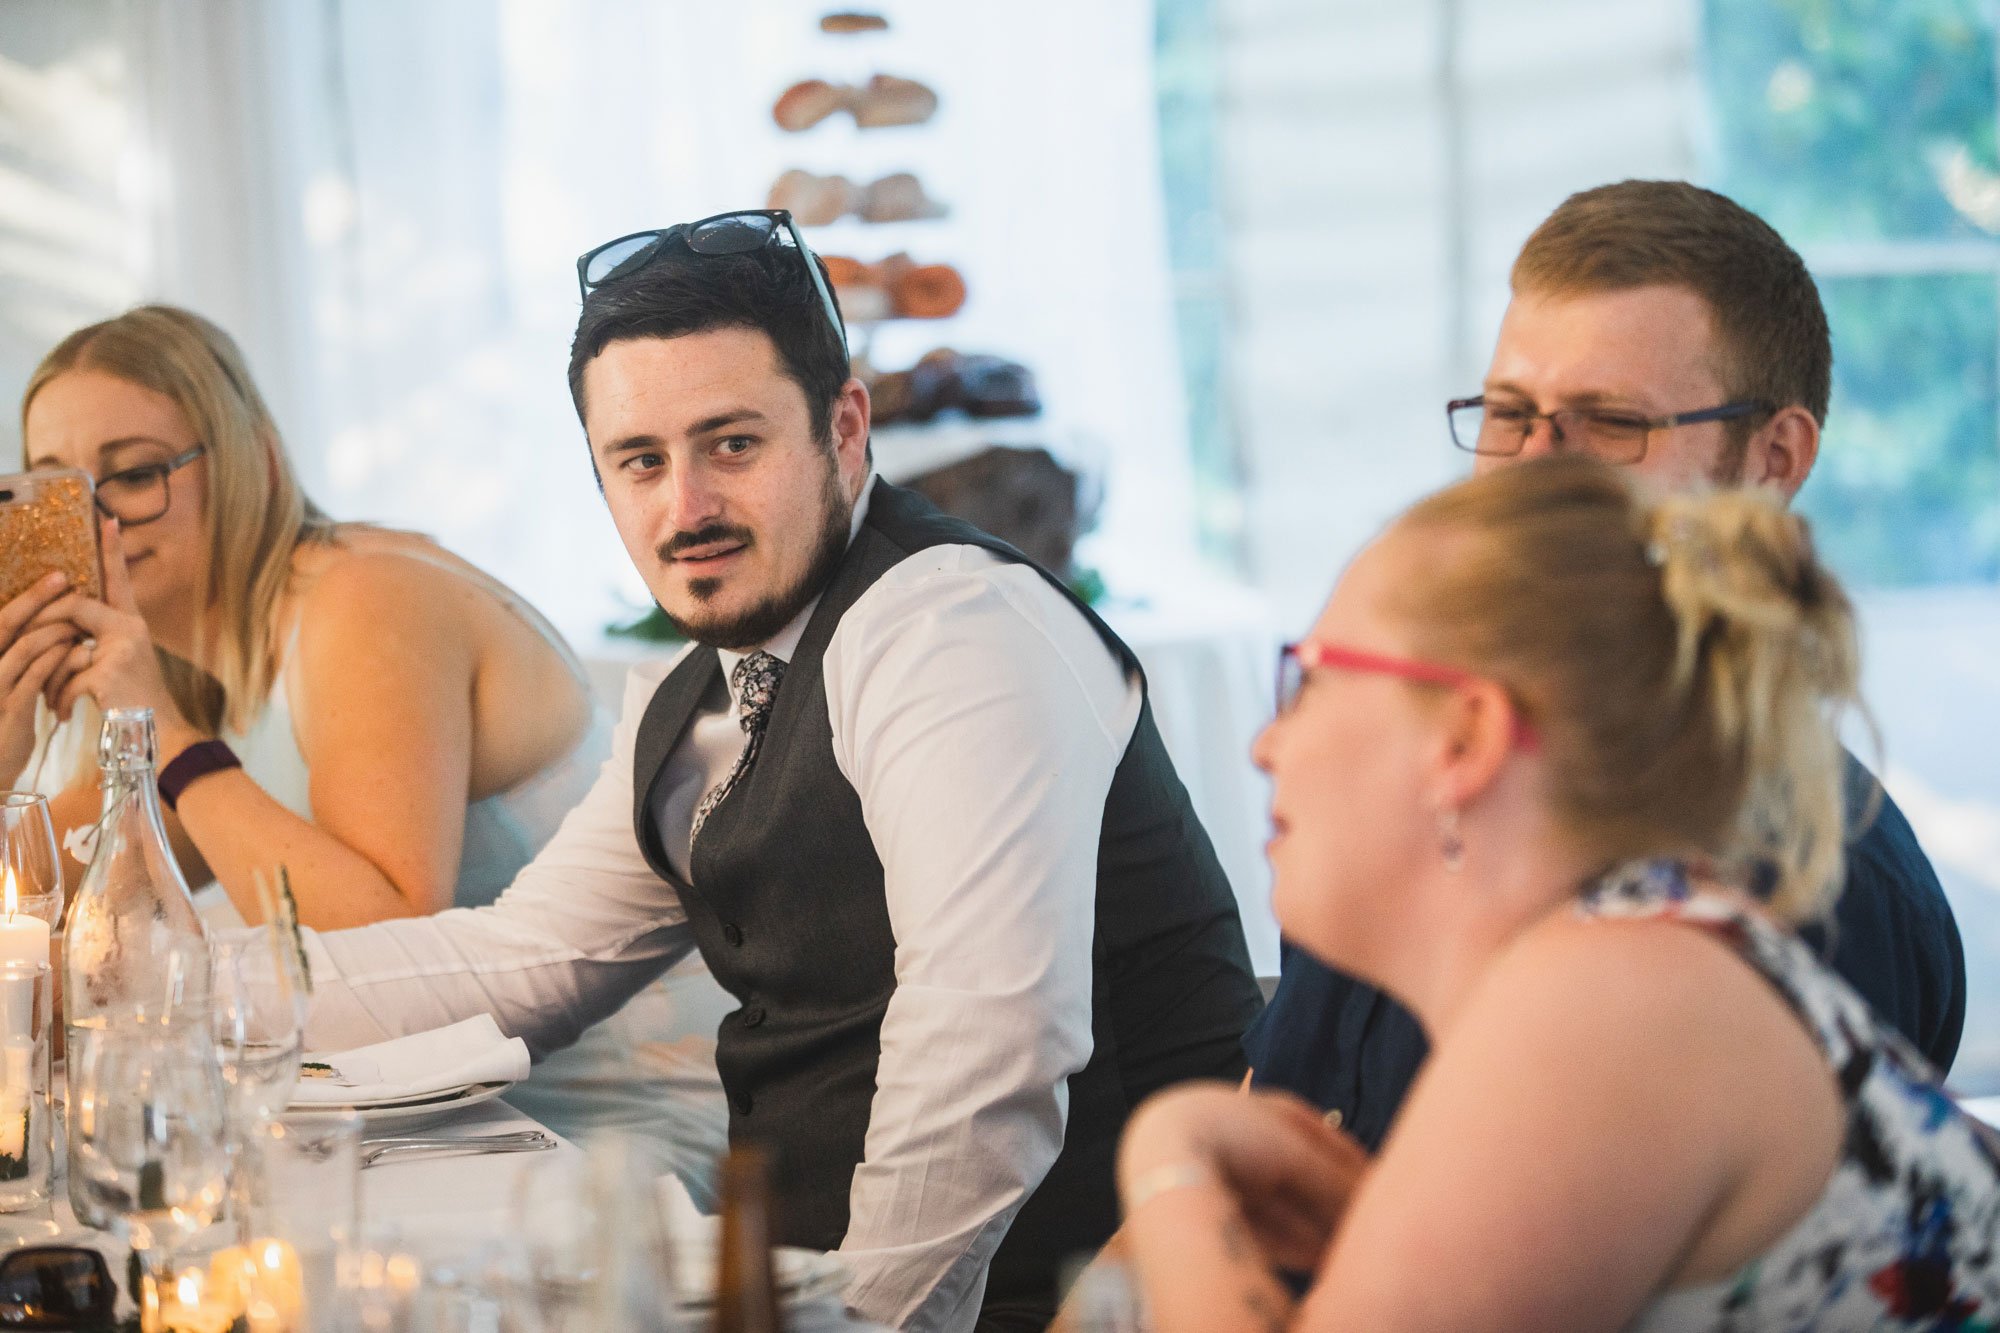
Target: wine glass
<point x="257" y="1008"/>
<point x="148" y="1133"/>
<point x="555" y="1228"/>
<point x="28" y="855"/>
<point x="592" y="1246"/>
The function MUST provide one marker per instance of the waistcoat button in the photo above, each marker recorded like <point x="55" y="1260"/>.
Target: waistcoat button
<point x="753" y="1016"/>
<point x="741" y="1101"/>
<point x="733" y="933"/>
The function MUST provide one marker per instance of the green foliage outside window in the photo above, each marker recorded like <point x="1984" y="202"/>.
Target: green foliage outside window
<point x="1906" y="484"/>
<point x="1871" y="123"/>
<point x="1187" y="77"/>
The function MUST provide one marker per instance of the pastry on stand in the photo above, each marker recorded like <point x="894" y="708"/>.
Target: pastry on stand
<point x="816" y="201"/>
<point x="895" y="288"/>
<point x="851" y="23"/>
<point x="883" y="101"/>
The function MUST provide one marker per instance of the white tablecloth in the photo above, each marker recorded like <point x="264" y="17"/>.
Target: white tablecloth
<point x="451" y="1204"/>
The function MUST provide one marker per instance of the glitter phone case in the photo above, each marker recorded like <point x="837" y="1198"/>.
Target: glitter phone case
<point x="48" y="521"/>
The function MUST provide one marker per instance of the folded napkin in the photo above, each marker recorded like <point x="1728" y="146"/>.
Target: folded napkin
<point x="473" y="1051"/>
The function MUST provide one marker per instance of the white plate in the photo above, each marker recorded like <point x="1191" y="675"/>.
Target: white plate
<point x="434" y="1106"/>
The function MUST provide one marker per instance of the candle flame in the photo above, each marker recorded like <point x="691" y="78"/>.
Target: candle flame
<point x="190" y="1287"/>
<point x="13" y="894"/>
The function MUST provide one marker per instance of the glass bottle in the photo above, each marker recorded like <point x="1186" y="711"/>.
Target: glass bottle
<point x="135" y="951"/>
<point x="746" y="1292"/>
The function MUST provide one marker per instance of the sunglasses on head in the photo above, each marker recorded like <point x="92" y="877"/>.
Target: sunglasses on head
<point x="56" y="1287"/>
<point x="740" y="233"/>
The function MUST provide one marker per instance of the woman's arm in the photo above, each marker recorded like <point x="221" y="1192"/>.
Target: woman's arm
<point x="1620" y="1107"/>
<point x="386" y="669"/>
<point x="1221" y="1190"/>
<point x="383" y="716"/>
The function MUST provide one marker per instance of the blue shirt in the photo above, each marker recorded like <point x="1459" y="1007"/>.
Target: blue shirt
<point x="1345" y="1046"/>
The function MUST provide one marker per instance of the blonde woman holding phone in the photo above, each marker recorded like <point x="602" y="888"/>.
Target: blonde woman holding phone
<point x="392" y="724"/>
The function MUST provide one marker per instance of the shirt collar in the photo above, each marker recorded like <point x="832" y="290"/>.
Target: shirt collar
<point x="786" y="641"/>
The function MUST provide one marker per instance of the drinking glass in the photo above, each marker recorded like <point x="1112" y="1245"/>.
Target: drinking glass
<point x="297" y="1196"/>
<point x="28" y="855"/>
<point x="594" y="1252"/>
<point x="554" y="1223"/>
<point x="148" y="1136"/>
<point x="257" y="1007"/>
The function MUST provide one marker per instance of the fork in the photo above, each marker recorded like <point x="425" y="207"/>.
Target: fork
<point x="526" y="1140"/>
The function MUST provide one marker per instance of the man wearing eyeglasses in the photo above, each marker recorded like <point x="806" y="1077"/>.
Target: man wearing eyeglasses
<point x="1665" y="328"/>
<point x="902" y="790"/>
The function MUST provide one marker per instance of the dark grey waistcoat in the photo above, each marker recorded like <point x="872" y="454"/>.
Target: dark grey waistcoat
<point x="787" y="907"/>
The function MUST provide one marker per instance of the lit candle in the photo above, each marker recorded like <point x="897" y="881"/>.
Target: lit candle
<point x="192" y="1309"/>
<point x="263" y="1281"/>
<point x="23" y="938"/>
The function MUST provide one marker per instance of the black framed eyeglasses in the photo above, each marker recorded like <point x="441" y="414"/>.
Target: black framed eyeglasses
<point x="137" y="495"/>
<point x="56" y="1287"/>
<point x="740" y="233"/>
<point x="1501" y="430"/>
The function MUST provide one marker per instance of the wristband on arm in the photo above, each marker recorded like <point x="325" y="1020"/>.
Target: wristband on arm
<point x="191" y="764"/>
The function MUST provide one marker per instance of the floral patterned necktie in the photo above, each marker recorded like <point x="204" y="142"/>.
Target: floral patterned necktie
<point x="755" y="681"/>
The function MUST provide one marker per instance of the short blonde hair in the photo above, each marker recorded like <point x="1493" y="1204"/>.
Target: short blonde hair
<point x="1683" y="657"/>
<point x="256" y="512"/>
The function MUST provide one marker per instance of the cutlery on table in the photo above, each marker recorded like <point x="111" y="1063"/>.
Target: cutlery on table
<point x="527" y="1140"/>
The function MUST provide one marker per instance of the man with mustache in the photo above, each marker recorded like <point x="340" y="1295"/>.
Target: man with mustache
<point x="902" y="790"/>
<point x="1666" y="328"/>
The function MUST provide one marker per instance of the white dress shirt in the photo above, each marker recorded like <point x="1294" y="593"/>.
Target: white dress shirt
<point x="979" y="719"/>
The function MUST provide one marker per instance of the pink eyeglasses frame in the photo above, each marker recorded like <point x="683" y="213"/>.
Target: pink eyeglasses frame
<point x="1294" y="659"/>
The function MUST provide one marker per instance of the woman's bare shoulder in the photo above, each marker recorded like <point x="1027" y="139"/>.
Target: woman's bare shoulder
<point x="1627" y="969"/>
<point x="394" y="591"/>
<point x="1598" y="1002"/>
<point x="369" y="570"/>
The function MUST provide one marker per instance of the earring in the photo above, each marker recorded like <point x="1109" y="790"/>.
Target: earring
<point x="1449" y="842"/>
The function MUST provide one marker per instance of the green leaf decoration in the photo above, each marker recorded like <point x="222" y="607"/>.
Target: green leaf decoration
<point x="288" y="920"/>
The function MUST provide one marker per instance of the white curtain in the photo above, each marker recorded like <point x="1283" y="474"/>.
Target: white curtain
<point x="1382" y="165"/>
<point x="71" y="239"/>
<point x="383" y="201"/>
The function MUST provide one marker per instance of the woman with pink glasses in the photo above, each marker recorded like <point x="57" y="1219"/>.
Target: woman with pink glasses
<point x="1557" y="767"/>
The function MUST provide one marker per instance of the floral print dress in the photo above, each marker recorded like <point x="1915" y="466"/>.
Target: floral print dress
<point x="1907" y="1234"/>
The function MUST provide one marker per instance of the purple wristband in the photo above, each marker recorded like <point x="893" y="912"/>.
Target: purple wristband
<point x="197" y="761"/>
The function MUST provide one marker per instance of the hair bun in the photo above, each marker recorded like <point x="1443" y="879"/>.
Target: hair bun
<point x="1765" y="638"/>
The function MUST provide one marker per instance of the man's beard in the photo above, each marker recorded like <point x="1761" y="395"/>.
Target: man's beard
<point x="756" y="624"/>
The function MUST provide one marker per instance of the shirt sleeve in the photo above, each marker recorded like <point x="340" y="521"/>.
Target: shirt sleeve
<point x="583" y="927"/>
<point x="980" y="720"/>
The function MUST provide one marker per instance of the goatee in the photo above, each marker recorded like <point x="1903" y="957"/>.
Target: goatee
<point x="758" y="623"/>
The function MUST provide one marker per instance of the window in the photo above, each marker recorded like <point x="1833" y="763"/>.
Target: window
<point x="1866" y="134"/>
